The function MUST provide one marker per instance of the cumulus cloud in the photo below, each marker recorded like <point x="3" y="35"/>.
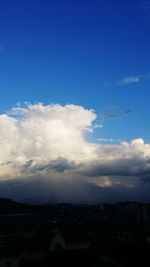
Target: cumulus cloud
<point x="124" y="159"/>
<point x="44" y="133"/>
<point x="44" y="153"/>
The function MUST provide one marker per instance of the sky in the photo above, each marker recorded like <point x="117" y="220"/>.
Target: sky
<point x="74" y="100"/>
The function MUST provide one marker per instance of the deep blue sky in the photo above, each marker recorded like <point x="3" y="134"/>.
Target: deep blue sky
<point x="79" y="52"/>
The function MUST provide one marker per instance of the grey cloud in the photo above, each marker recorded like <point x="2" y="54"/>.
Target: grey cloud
<point x="120" y="167"/>
<point x="6" y="163"/>
<point x="44" y="154"/>
<point x="49" y="189"/>
<point x="113" y="112"/>
<point x="128" y="111"/>
<point x="58" y="165"/>
<point x="41" y="190"/>
<point x="61" y="164"/>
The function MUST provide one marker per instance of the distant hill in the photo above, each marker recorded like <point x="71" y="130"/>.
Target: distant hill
<point x="10" y="206"/>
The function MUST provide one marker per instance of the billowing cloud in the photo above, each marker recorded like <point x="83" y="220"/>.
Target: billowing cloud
<point x="45" y="154"/>
<point x="41" y="133"/>
<point x="121" y="160"/>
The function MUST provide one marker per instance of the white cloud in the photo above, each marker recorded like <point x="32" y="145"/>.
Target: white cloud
<point x="97" y="126"/>
<point x="43" y="133"/>
<point x="129" y="80"/>
<point x="105" y="139"/>
<point x="49" y="143"/>
<point x="134" y="79"/>
<point x="104" y="181"/>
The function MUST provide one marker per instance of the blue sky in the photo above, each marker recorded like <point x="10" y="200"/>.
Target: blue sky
<point x="90" y="53"/>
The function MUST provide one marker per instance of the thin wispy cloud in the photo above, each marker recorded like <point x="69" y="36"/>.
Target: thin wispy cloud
<point x="97" y="126"/>
<point x="106" y="140"/>
<point x="113" y="112"/>
<point x="133" y="79"/>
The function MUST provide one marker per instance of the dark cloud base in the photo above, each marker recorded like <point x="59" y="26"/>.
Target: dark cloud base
<point x="43" y="191"/>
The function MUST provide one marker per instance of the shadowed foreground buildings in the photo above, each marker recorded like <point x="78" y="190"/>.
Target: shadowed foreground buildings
<point x="143" y="213"/>
<point x="74" y="235"/>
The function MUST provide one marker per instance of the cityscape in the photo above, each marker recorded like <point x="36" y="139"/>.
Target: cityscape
<point x="93" y="235"/>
